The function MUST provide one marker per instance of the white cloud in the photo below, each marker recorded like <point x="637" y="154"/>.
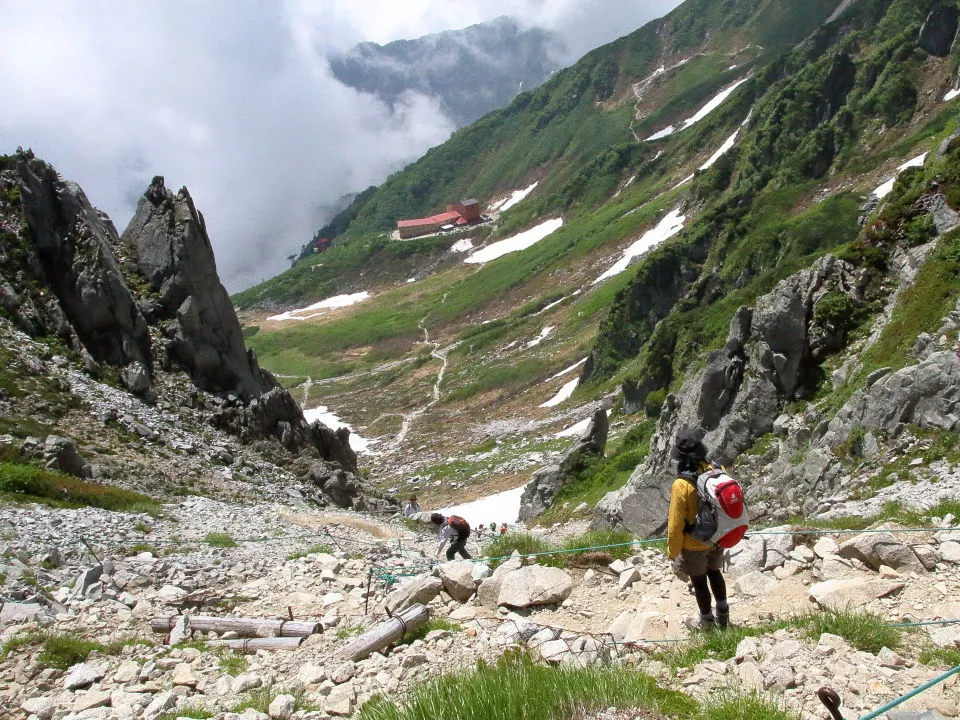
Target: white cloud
<point x="232" y="99"/>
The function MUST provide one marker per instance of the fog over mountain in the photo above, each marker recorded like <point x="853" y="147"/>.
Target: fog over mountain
<point x="236" y="100"/>
<point x="470" y="71"/>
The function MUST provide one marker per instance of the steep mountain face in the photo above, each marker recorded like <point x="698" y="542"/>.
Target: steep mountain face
<point x="139" y="310"/>
<point x="470" y="72"/>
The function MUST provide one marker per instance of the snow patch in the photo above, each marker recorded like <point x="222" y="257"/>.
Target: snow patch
<point x="563" y="372"/>
<point x="461" y="246"/>
<point x="714" y="103"/>
<point x="574" y="430"/>
<point x="515" y="197"/>
<point x="337" y="301"/>
<point x="887" y="187"/>
<point x="547" y="307"/>
<point x="563" y="393"/>
<point x="666" y="228"/>
<point x="520" y="241"/>
<point x="502" y="507"/>
<point x="323" y="414"/>
<point x="951" y="95"/>
<point x="542" y="336"/>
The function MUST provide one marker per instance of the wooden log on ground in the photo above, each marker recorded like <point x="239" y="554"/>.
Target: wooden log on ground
<point x="244" y="627"/>
<point x="254" y="644"/>
<point x="385" y="633"/>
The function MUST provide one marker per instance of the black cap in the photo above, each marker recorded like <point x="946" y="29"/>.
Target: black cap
<point x="688" y="445"/>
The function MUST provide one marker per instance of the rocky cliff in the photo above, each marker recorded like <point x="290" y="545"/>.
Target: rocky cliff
<point x="141" y="305"/>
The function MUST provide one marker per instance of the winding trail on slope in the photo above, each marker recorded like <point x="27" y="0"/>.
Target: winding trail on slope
<point x="441" y="355"/>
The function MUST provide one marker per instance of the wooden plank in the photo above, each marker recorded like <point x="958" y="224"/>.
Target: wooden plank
<point x="385" y="633"/>
<point x="254" y="644"/>
<point x="244" y="627"/>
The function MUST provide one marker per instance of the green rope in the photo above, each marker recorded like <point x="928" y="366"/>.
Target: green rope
<point x="916" y="691"/>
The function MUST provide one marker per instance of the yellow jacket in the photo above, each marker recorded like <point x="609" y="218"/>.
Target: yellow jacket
<point x="684" y="506"/>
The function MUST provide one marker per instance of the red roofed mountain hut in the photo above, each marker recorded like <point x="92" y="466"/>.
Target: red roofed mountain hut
<point x="461" y="213"/>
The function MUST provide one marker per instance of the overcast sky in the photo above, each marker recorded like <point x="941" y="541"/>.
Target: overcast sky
<point x="233" y="99"/>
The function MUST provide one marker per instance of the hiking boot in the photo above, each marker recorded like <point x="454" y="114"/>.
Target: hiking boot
<point x="723" y="619"/>
<point x="700" y="622"/>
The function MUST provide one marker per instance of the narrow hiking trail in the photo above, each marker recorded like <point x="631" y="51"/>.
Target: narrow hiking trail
<point x="440" y="354"/>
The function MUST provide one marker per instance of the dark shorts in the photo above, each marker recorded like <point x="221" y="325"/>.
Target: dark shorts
<point x="697" y="562"/>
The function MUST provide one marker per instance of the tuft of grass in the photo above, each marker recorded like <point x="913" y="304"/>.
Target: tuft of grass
<point x="715" y="644"/>
<point x="503" y="545"/>
<point x="348" y="631"/>
<point x="21" y="482"/>
<point x="948" y="657"/>
<point x="602" y="539"/>
<point x="191" y="711"/>
<point x="63" y="650"/>
<point x="312" y="550"/>
<point x="864" y="630"/>
<point x="223" y="540"/>
<point x="231" y="663"/>
<point x="745" y="706"/>
<point x="503" y="691"/>
<point x="431" y="625"/>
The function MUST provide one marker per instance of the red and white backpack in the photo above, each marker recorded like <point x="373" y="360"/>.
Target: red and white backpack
<point x="722" y="520"/>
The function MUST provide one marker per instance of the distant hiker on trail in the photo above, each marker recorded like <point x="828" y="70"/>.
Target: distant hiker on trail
<point x="493" y="528"/>
<point x="412" y="507"/>
<point x="503" y="529"/>
<point x="456" y="530"/>
<point x="701" y="559"/>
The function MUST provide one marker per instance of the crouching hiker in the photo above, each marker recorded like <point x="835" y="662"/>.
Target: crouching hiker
<point x="456" y="530"/>
<point x="706" y="516"/>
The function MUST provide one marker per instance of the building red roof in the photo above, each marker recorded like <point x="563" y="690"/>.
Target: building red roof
<point x="447" y="217"/>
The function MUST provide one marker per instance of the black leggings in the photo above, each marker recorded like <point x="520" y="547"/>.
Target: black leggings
<point x="702" y="592"/>
<point x="459" y="546"/>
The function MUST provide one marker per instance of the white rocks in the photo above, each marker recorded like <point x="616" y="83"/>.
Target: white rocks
<point x="755" y="584"/>
<point x="42" y="707"/>
<point x="751" y="679"/>
<point x="458" y="580"/>
<point x="90" y="699"/>
<point x="888" y="658"/>
<point x="534" y="585"/>
<point x="637" y="626"/>
<point x="159" y="705"/>
<point x="410" y="591"/>
<point x="882" y="548"/>
<point x="950" y="551"/>
<point x="245" y="681"/>
<point x="344" y="672"/>
<point x="310" y="674"/>
<point x="628" y="577"/>
<point x="282" y="707"/>
<point x="180" y="630"/>
<point x="171" y="595"/>
<point x="553" y="650"/>
<point x="340" y="700"/>
<point x="825" y="546"/>
<point x="183" y="674"/>
<point x="12" y="612"/>
<point x="82" y="676"/>
<point x="852" y="592"/>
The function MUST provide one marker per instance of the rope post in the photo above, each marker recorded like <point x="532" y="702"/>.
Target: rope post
<point x="84" y="541"/>
<point x="366" y="600"/>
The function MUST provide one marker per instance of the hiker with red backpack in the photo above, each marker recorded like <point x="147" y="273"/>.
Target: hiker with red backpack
<point x="456" y="530"/>
<point x="706" y="516"/>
